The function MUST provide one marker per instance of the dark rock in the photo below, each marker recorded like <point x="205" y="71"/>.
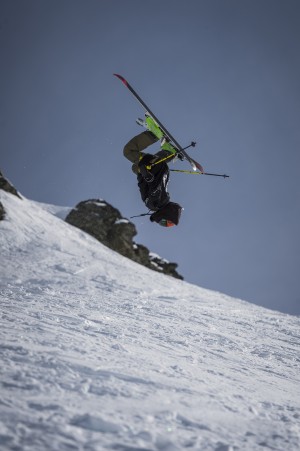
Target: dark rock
<point x="2" y="212"/>
<point x="165" y="266"/>
<point x="7" y="186"/>
<point x="105" y="223"/>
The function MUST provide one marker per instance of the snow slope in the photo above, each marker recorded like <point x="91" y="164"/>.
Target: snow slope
<point x="100" y="353"/>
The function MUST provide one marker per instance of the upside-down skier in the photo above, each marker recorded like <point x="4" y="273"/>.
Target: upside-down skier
<point x="152" y="170"/>
<point x="153" y="173"/>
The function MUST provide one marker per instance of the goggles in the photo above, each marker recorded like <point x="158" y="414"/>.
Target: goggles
<point x="166" y="223"/>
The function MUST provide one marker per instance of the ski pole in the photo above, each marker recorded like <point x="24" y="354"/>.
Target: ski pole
<point x="193" y="144"/>
<point x="138" y="216"/>
<point x="200" y="173"/>
<point x="160" y="161"/>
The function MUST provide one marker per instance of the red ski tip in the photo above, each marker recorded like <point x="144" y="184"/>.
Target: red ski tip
<point x="198" y="166"/>
<point x="121" y="78"/>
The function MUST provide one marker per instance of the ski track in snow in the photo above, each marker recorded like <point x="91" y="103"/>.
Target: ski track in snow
<point x="98" y="352"/>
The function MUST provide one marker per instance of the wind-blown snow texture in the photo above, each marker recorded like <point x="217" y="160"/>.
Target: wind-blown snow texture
<point x="100" y="353"/>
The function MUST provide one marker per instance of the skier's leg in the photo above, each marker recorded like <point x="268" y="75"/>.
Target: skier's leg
<point x="133" y="149"/>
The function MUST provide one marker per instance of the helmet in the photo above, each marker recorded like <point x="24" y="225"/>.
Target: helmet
<point x="168" y="215"/>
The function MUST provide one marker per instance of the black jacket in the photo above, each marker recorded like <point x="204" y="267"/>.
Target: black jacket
<point x="154" y="194"/>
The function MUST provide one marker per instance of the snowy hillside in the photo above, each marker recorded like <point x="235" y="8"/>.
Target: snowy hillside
<point x="100" y="353"/>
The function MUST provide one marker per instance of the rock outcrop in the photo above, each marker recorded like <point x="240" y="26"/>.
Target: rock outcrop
<point x="106" y="224"/>
<point x="2" y="212"/>
<point x="6" y="186"/>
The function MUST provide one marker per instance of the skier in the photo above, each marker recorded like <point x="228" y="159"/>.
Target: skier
<point x="153" y="173"/>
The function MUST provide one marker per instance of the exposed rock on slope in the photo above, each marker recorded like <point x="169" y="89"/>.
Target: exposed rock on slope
<point x="2" y="212"/>
<point x="106" y="224"/>
<point x="6" y="186"/>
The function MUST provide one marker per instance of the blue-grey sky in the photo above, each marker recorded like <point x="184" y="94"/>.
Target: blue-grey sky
<point x="225" y="73"/>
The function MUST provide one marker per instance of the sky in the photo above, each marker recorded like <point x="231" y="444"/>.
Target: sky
<point x="223" y="73"/>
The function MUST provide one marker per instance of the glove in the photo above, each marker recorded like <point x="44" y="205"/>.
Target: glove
<point x="145" y="173"/>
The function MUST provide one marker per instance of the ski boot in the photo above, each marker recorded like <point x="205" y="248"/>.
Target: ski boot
<point x="166" y="147"/>
<point x="150" y="124"/>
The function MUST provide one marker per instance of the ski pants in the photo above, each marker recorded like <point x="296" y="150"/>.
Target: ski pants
<point x="133" y="149"/>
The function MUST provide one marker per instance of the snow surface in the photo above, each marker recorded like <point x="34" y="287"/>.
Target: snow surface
<point x="98" y="352"/>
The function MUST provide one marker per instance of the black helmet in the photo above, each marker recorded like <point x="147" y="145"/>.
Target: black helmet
<point x="168" y="215"/>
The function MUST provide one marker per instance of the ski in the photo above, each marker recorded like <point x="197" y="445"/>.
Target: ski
<point x="180" y="150"/>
